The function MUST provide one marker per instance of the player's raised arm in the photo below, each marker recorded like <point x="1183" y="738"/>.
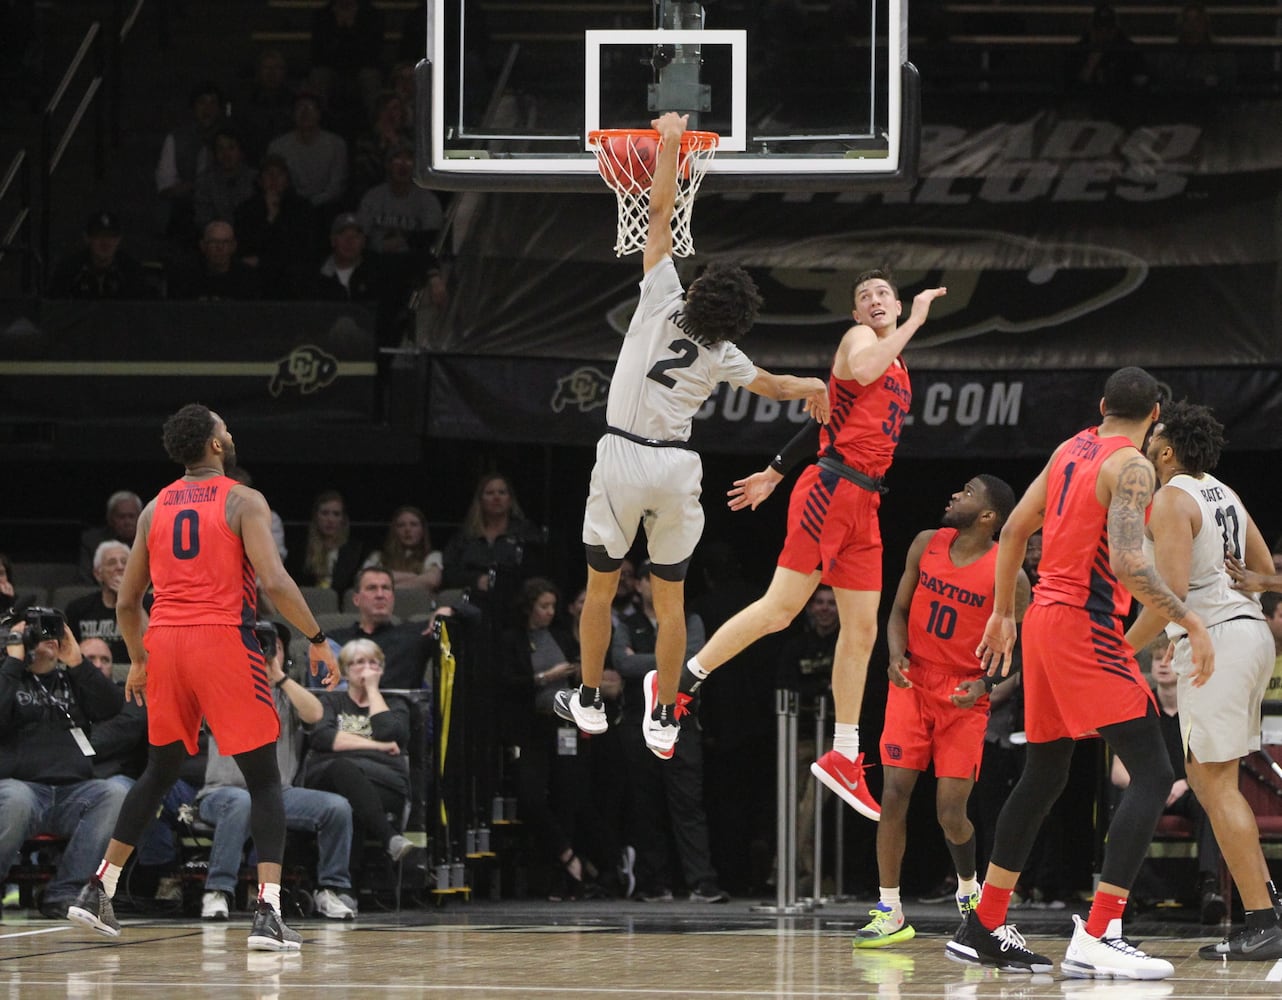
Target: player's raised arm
<point x="863" y="356"/>
<point x="663" y="189"/>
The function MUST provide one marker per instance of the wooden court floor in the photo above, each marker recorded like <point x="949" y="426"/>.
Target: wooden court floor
<point x="616" y="950"/>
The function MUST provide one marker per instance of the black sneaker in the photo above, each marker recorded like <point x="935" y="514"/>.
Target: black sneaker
<point x="1247" y="945"/>
<point x="269" y="932"/>
<point x="709" y="892"/>
<point x="1003" y="947"/>
<point x="93" y="908"/>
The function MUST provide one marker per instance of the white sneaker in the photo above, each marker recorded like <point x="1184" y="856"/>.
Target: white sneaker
<point x="660" y="737"/>
<point x="591" y="719"/>
<point x="329" y="905"/>
<point x="213" y="906"/>
<point x="1109" y="957"/>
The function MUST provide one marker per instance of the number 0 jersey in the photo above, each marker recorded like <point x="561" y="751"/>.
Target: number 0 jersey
<point x="663" y="374"/>
<point x="199" y="569"/>
<point x="950" y="607"/>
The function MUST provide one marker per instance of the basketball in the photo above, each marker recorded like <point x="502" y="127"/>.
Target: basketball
<point x="631" y="160"/>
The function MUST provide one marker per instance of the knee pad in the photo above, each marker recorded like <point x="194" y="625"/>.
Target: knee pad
<point x="600" y="560"/>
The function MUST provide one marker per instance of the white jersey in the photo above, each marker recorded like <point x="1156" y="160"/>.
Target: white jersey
<point x="663" y="375"/>
<point x="1211" y="595"/>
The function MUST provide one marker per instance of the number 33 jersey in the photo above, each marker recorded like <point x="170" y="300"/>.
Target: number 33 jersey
<point x="950" y="607"/>
<point x="198" y="564"/>
<point x="664" y="374"/>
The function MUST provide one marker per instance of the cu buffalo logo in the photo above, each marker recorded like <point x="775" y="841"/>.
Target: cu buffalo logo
<point x="307" y="367"/>
<point x="584" y="388"/>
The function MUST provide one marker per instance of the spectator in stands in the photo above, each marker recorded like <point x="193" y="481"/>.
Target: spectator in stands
<point x="667" y="795"/>
<point x="626" y="599"/>
<point x="266" y="109"/>
<point x="224" y="799"/>
<point x="98" y="655"/>
<point x="348" y="274"/>
<point x="101" y="270"/>
<point x="402" y="83"/>
<point x="331" y="556"/>
<point x="347" y="56"/>
<point x="11" y="594"/>
<point x="227" y="184"/>
<point x="123" y="509"/>
<point x="401" y="222"/>
<point x="219" y="275"/>
<point x="48" y="784"/>
<point x="93" y="616"/>
<point x="358" y="750"/>
<point x="1106" y="63"/>
<point x="386" y="133"/>
<point x="277" y="231"/>
<point x="496" y="543"/>
<point x="407" y="648"/>
<point x="185" y="154"/>
<point x="317" y="158"/>
<point x="1181" y="800"/>
<point x="407" y="552"/>
<point x="1196" y="64"/>
<point x="538" y="659"/>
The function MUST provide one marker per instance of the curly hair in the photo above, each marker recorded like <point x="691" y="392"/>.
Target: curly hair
<point x="1195" y="435"/>
<point x="187" y="433"/>
<point x="874" y="274"/>
<point x="1129" y="394"/>
<point x="721" y="304"/>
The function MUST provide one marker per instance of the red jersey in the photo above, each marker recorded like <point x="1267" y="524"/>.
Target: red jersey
<point x="199" y="568"/>
<point x="1075" y="567"/>
<point x="866" y="419"/>
<point x="950" y="607"/>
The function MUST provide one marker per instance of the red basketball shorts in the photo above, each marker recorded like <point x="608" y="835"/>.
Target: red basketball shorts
<point x="924" y="727"/>
<point x="1079" y="674"/>
<point x="211" y="671"/>
<point x="833" y="527"/>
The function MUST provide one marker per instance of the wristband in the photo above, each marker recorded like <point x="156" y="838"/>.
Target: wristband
<point x="318" y="638"/>
<point x="281" y="682"/>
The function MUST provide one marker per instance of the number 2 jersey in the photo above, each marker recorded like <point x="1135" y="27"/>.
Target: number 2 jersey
<point x="199" y="568"/>
<point x="664" y="374"/>
<point x="950" y="607"/>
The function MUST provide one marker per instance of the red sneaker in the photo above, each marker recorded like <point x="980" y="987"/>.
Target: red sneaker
<point x="846" y="777"/>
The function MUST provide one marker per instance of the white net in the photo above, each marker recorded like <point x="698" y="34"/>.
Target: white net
<point x="625" y="158"/>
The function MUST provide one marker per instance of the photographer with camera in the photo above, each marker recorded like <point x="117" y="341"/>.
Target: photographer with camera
<point x="49" y="698"/>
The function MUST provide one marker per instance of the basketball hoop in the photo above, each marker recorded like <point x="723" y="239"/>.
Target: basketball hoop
<point x="626" y="159"/>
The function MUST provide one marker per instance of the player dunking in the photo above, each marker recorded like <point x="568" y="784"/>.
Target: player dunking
<point x="937" y="705"/>
<point x="674" y="354"/>
<point x="200" y="543"/>
<point x="1081" y="678"/>
<point x="833" y="532"/>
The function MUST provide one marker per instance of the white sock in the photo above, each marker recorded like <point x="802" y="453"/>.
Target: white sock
<point x="696" y="668"/>
<point x="890" y="898"/>
<point x="967" y="886"/>
<point x="108" y="874"/>
<point x="269" y="892"/>
<point x="845" y="739"/>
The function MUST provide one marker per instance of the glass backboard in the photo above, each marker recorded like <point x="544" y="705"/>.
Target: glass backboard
<point x="812" y="96"/>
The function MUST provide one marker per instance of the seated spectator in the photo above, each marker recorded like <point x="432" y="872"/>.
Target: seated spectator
<point x="358" y="750"/>
<point x="12" y="596"/>
<point x="94" y="615"/>
<point x="49" y="785"/>
<point x="266" y="108"/>
<point x="277" y="233"/>
<point x="219" y="275"/>
<point x="123" y="509"/>
<point x="347" y="57"/>
<point x="185" y="154"/>
<point x="227" y="184"/>
<point x="348" y="274"/>
<point x="331" y="556"/>
<point x="407" y="552"/>
<point x="496" y="544"/>
<point x="98" y="655"/>
<point x="1196" y="65"/>
<point x="317" y="158"/>
<point x="401" y="222"/>
<point x="1106" y="63"/>
<point x="386" y="133"/>
<point x="224" y="799"/>
<point x="407" y="648"/>
<point x="101" y="270"/>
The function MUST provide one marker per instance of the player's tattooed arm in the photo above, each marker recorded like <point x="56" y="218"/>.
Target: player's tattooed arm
<point x="1132" y="494"/>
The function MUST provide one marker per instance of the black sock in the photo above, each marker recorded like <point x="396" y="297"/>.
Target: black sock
<point x="1259" y="920"/>
<point x="663" y="715"/>
<point x="1273" y="893"/>
<point x="689" y="683"/>
<point x="963" y="857"/>
<point x="588" y="696"/>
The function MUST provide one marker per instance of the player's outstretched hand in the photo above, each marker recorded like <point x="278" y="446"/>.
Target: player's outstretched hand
<point x="817" y="404"/>
<point x="967" y="693"/>
<point x="898" y="672"/>
<point x="320" y="653"/>
<point x="136" y="683"/>
<point x="751" y="491"/>
<point x="997" y="645"/>
<point x="1249" y="580"/>
<point x="670" y="125"/>
<point x="922" y="301"/>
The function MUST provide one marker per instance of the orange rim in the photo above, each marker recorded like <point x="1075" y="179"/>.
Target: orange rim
<point x="691" y="139"/>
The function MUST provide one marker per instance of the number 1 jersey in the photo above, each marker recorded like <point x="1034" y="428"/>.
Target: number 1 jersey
<point x="199" y="569"/>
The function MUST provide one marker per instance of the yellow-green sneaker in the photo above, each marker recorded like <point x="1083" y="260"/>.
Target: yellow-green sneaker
<point x="886" y="927"/>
